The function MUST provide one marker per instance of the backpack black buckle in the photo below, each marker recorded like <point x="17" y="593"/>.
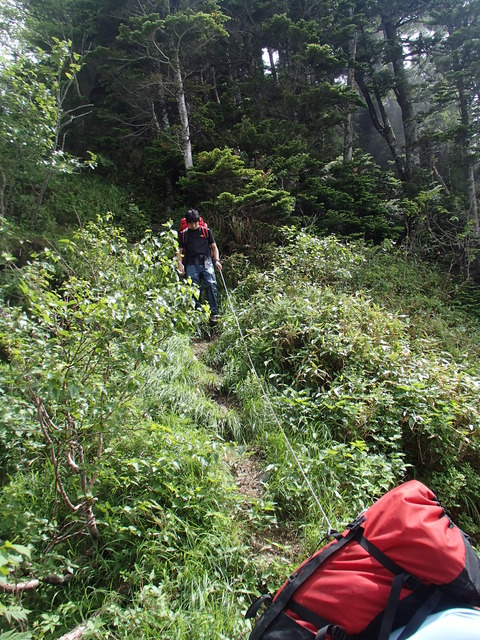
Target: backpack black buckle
<point x="295" y="574"/>
<point x="255" y="606"/>
<point x="411" y="582"/>
<point x="337" y="633"/>
<point x="332" y="533"/>
<point x="356" y="524"/>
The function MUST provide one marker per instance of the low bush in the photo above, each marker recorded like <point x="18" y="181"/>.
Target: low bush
<point x="347" y="373"/>
<point x="116" y="471"/>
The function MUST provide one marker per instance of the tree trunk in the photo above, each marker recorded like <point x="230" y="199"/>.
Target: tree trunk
<point x="472" y="198"/>
<point x="41" y="195"/>
<point x="384" y="126"/>
<point x="348" y="132"/>
<point x="183" y="114"/>
<point x="273" y="69"/>
<point x="159" y="109"/>
<point x="215" y="88"/>
<point x="467" y="153"/>
<point x="403" y="95"/>
<point x="3" y="184"/>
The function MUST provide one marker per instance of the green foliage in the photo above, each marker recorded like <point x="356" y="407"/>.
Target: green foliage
<point x="207" y="614"/>
<point x="346" y="477"/>
<point x="110" y="423"/>
<point x="178" y="30"/>
<point x="167" y="509"/>
<point x="33" y="88"/>
<point x="90" y="314"/>
<point x="467" y="297"/>
<point x="108" y="407"/>
<point x="163" y="472"/>
<point x="182" y="385"/>
<point x="78" y="199"/>
<point x="170" y="531"/>
<point x="343" y="368"/>
<point x="12" y="557"/>
<point x="233" y="195"/>
<point x="354" y="200"/>
<point x="154" y="509"/>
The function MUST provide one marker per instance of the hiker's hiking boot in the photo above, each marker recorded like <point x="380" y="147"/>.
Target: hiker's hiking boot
<point x="214" y="319"/>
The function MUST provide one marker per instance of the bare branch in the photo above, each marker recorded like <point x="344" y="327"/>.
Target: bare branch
<point x="75" y="633"/>
<point x="71" y="462"/>
<point x="20" y="587"/>
<point x="30" y="585"/>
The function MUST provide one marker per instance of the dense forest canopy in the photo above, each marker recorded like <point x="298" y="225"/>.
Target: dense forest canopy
<point x="333" y="147"/>
<point x="366" y="113"/>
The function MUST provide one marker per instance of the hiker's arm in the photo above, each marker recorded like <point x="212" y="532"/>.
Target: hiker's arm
<point x="181" y="268"/>
<point x="216" y="256"/>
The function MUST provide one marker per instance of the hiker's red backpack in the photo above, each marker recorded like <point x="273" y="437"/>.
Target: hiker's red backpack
<point x="184" y="223"/>
<point x="399" y="561"/>
<point x="184" y="229"/>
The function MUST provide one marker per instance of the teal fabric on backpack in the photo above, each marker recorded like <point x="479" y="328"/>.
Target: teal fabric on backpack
<point x="452" y="624"/>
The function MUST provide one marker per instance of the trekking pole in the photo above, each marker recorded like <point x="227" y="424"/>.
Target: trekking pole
<point x="270" y="406"/>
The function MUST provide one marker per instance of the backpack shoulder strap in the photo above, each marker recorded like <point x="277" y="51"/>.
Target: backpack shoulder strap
<point x="203" y="233"/>
<point x="297" y="578"/>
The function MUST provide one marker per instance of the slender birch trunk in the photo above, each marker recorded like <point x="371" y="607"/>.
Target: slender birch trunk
<point x="183" y="114"/>
<point x="348" y="132"/>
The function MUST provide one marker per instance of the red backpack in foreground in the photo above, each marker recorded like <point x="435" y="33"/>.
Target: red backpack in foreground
<point x="399" y="561"/>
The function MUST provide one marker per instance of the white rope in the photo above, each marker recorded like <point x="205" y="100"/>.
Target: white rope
<point x="289" y="445"/>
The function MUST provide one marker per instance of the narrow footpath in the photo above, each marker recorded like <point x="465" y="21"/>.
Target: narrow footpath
<point x="246" y="465"/>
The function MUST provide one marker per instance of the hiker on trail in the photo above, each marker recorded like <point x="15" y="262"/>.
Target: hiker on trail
<point x="197" y="255"/>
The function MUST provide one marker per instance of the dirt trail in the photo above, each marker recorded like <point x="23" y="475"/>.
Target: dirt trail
<point x="248" y="471"/>
<point x="249" y="476"/>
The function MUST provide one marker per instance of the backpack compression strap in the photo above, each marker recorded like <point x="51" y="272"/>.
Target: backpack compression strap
<point x="284" y="599"/>
<point x="203" y="232"/>
<point x="297" y="579"/>
<point x="401" y="578"/>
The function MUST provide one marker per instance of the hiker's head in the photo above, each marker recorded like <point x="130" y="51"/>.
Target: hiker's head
<point x="192" y="215"/>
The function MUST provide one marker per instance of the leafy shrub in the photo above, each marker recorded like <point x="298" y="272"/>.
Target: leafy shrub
<point x="90" y="314"/>
<point x="234" y="196"/>
<point x="341" y="368"/>
<point x="127" y="430"/>
<point x="354" y="200"/>
<point x="345" y="477"/>
<point x="165" y="506"/>
<point x="76" y="200"/>
<point x="12" y="557"/>
<point x="153" y="613"/>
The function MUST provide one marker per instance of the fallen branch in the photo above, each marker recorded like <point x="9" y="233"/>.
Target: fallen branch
<point x="29" y="585"/>
<point x="75" y="633"/>
<point x="20" y="586"/>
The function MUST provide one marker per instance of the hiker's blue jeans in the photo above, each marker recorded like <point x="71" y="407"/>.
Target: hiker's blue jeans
<point x="203" y="271"/>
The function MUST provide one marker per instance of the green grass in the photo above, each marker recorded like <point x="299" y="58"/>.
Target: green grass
<point x="372" y="375"/>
